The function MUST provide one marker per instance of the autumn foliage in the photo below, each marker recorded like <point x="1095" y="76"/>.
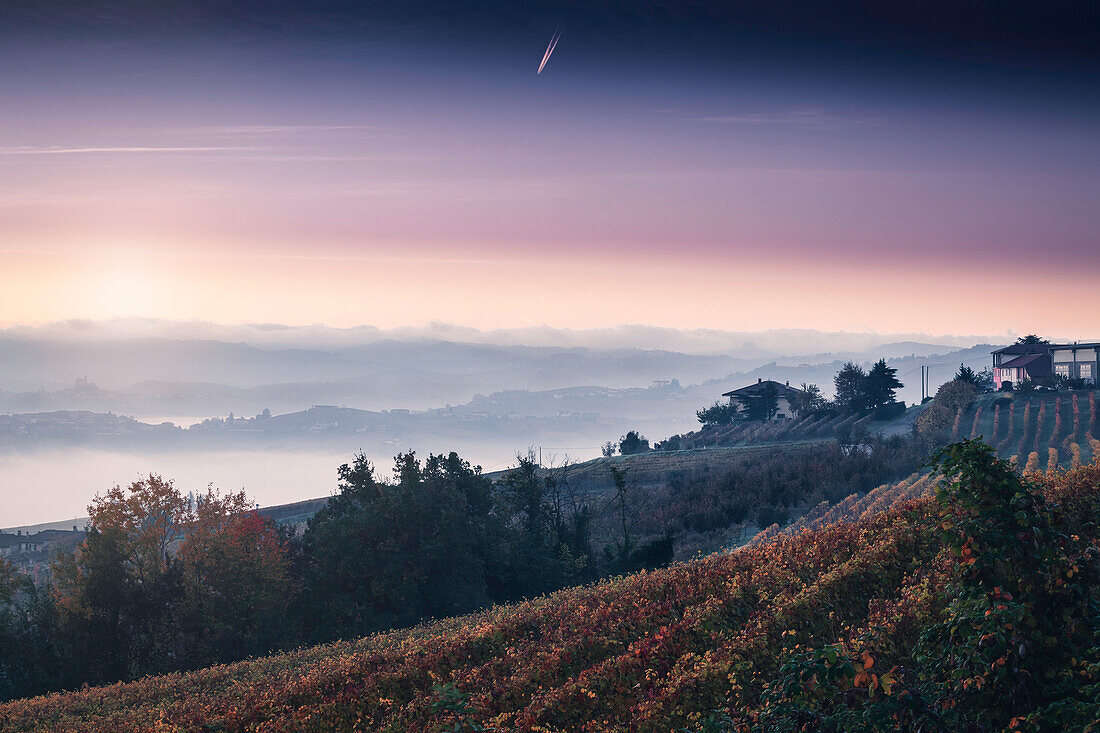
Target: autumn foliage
<point x="163" y="582"/>
<point x="973" y="610"/>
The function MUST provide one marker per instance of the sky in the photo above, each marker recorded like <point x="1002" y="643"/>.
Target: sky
<point x="842" y="167"/>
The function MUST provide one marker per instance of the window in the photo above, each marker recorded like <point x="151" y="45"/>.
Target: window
<point x="1062" y="370"/>
<point x="1086" y="370"/>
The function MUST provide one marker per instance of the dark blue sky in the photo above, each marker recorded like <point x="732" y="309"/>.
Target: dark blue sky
<point x="1055" y="34"/>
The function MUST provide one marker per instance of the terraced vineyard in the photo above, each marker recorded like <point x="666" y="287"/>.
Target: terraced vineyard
<point x="654" y="467"/>
<point x="807" y="428"/>
<point x="1051" y="431"/>
<point x="1039" y="431"/>
<point x="855" y="507"/>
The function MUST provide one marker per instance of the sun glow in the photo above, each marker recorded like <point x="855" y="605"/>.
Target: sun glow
<point x="128" y="285"/>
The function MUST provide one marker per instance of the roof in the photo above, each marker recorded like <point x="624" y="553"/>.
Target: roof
<point x="1023" y="349"/>
<point x="1078" y="345"/>
<point x="1022" y="361"/>
<point x="8" y="539"/>
<point x="781" y="390"/>
<point x="1044" y="348"/>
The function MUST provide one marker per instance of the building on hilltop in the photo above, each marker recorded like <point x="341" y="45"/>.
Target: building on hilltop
<point x="786" y="396"/>
<point x="31" y="553"/>
<point x="1037" y="362"/>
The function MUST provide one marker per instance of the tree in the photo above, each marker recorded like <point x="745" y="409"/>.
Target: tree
<point x="937" y="419"/>
<point x="162" y="582"/>
<point x="761" y="403"/>
<point x="608" y="449"/>
<point x="549" y="547"/>
<point x="808" y="399"/>
<point x="116" y="592"/>
<point x="618" y="478"/>
<point x="880" y="385"/>
<point x="235" y="571"/>
<point x="1008" y="640"/>
<point x="357" y="482"/>
<point x="720" y="413"/>
<point x="1032" y="340"/>
<point x="633" y="442"/>
<point x="851" y="388"/>
<point x="382" y="555"/>
<point x="31" y="663"/>
<point x="10" y="583"/>
<point x="968" y="375"/>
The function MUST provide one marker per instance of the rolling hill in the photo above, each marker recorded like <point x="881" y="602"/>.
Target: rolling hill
<point x="727" y="642"/>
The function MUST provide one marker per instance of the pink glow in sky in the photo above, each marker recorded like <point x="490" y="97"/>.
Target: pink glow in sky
<point x="248" y="186"/>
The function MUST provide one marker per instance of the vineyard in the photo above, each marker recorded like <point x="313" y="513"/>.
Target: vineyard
<point x="654" y="467"/>
<point x="1040" y="431"/>
<point x="719" y="643"/>
<point x="1051" y="431"/>
<point x="810" y="427"/>
<point x="854" y="507"/>
<point x="720" y="497"/>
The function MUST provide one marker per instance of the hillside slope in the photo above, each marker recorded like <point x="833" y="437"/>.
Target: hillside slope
<point x="692" y="647"/>
<point x="641" y="646"/>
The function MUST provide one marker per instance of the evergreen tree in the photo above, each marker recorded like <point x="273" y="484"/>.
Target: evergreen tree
<point x="880" y="384"/>
<point x="968" y="375"/>
<point x="381" y="555"/>
<point x="851" y="388"/>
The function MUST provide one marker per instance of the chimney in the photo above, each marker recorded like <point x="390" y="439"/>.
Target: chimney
<point x="759" y="380"/>
<point x="788" y="383"/>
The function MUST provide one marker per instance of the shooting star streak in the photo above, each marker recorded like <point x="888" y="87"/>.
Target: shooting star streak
<point x="549" y="50"/>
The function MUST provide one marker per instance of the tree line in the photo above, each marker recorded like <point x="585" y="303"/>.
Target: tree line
<point x="163" y="582"/>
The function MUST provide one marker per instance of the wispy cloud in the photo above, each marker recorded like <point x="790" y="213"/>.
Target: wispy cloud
<point x="259" y="130"/>
<point x="814" y="119"/>
<point x="50" y="150"/>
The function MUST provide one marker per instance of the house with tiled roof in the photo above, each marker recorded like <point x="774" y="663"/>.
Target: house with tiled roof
<point x="786" y="396"/>
<point x="1038" y="362"/>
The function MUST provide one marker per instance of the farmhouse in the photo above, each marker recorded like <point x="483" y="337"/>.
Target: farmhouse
<point x="786" y="396"/>
<point x="1036" y="362"/>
